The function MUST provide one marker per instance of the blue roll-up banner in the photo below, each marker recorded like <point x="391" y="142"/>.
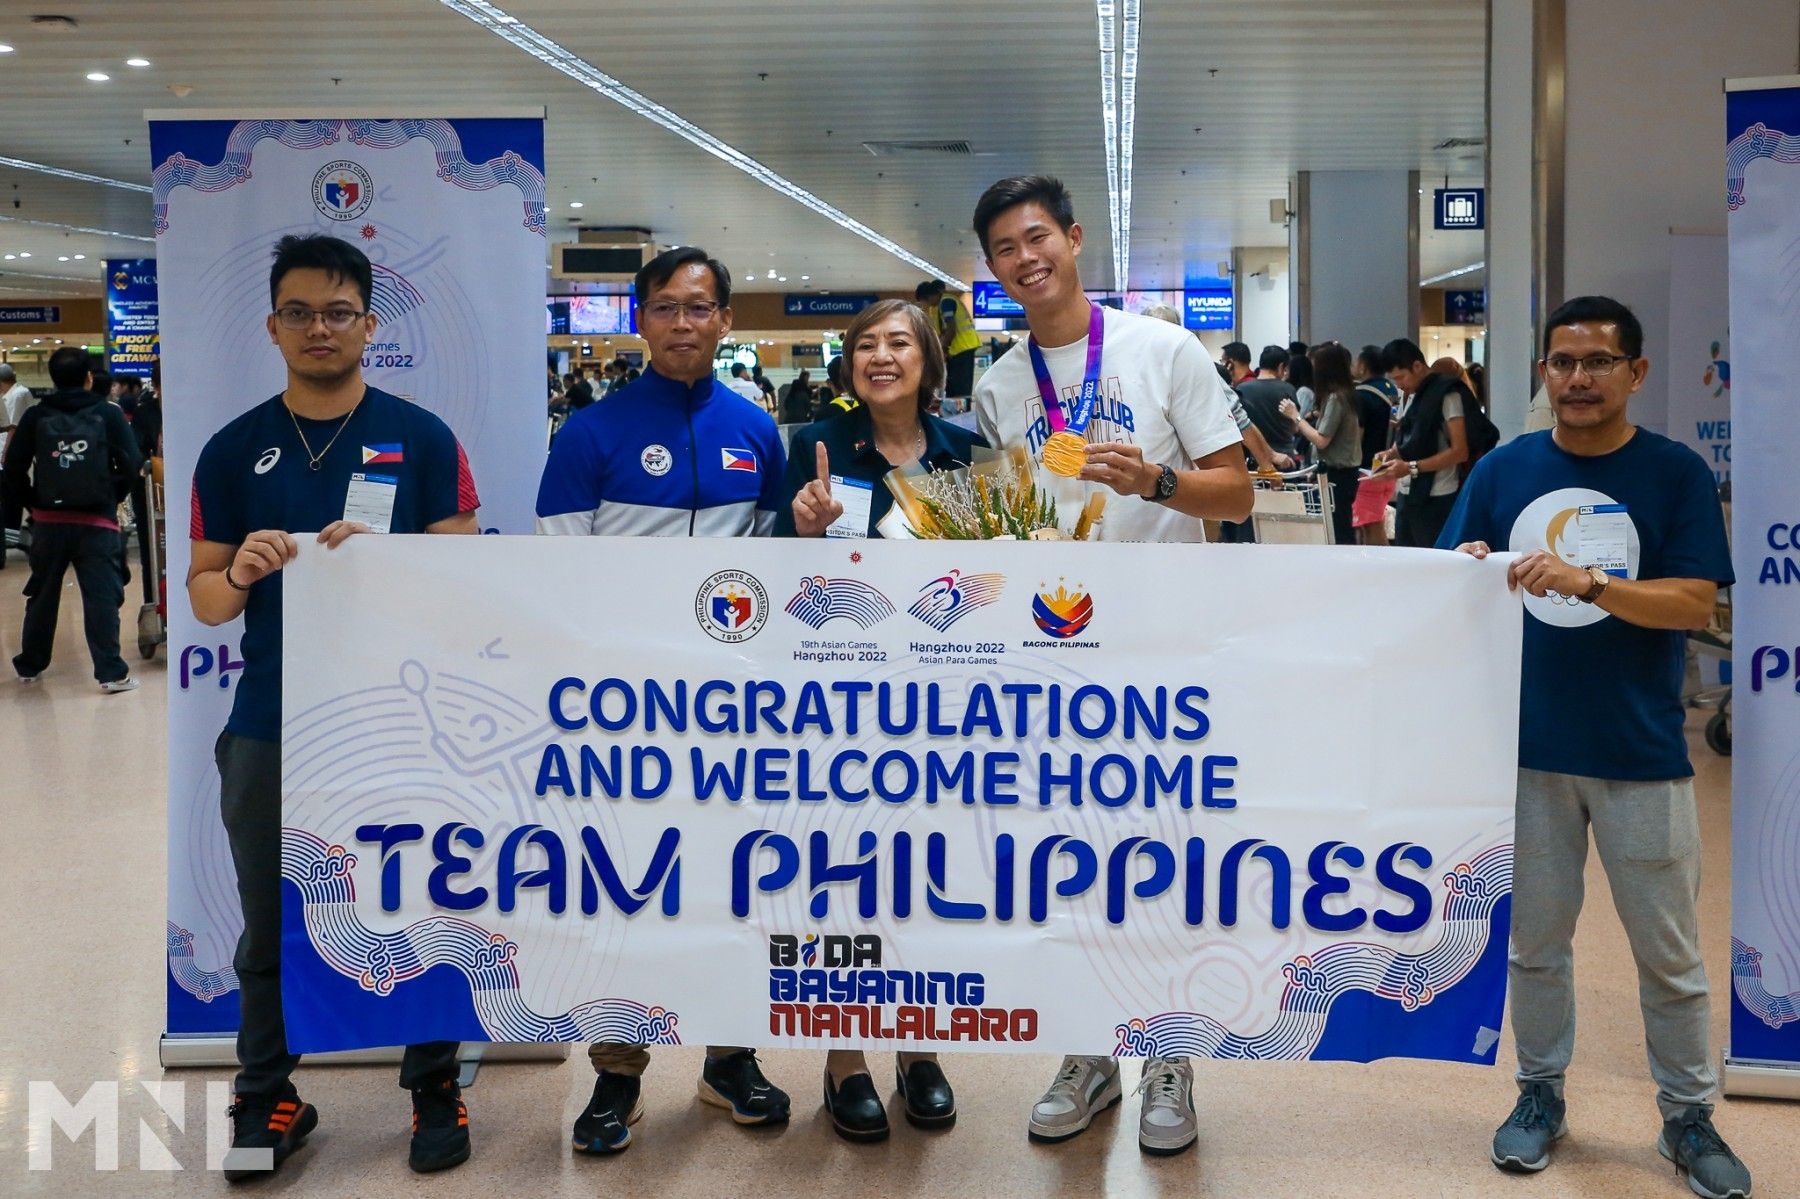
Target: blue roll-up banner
<point x="451" y="213"/>
<point x="131" y="328"/>
<point x="1763" y="193"/>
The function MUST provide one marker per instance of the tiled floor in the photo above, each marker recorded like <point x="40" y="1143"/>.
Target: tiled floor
<point x="82" y="861"/>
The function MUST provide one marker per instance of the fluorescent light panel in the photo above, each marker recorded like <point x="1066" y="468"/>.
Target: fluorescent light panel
<point x="78" y="176"/>
<point x="1128" y="71"/>
<point x="1461" y="270"/>
<point x="1107" y="13"/>
<point x="503" y="24"/>
<point x="22" y="220"/>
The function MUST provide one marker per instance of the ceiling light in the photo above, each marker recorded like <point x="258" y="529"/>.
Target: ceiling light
<point x="77" y="228"/>
<point x="24" y="253"/>
<point x="783" y="279"/>
<point x="78" y="257"/>
<point x="551" y="54"/>
<point x="98" y="76"/>
<point x="5" y="49"/>
<point x="62" y="258"/>
<point x="10" y="257"/>
<point x="137" y="62"/>
<point x="575" y="204"/>
<point x="1461" y="270"/>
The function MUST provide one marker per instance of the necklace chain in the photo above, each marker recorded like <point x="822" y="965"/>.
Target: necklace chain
<point x="314" y="460"/>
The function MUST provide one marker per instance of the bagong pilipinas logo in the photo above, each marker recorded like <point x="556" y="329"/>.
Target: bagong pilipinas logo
<point x="342" y="190"/>
<point x="942" y="602"/>
<point x="1064" y="614"/>
<point x="821" y="599"/>
<point x="731" y="606"/>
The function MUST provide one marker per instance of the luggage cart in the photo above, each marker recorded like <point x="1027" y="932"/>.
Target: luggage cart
<point x="153" y="614"/>
<point x="1292" y="508"/>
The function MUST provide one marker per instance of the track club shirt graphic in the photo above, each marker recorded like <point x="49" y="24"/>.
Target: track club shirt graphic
<point x="1599" y="697"/>
<point x="244" y="483"/>
<point x="1158" y="391"/>
<point x="663" y="459"/>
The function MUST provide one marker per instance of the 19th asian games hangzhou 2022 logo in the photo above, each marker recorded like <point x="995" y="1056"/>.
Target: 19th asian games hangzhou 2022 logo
<point x="342" y="190"/>
<point x="731" y="606"/>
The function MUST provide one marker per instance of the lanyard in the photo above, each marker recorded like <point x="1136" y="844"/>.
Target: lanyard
<point x="1090" y="381"/>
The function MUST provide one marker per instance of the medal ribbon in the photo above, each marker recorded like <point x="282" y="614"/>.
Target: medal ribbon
<point x="1090" y="381"/>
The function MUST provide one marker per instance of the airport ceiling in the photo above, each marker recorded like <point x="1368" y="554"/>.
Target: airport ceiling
<point x="1232" y="96"/>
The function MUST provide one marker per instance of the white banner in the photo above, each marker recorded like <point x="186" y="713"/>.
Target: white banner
<point x="451" y="213"/>
<point x="1763" y="194"/>
<point x="1124" y="799"/>
<point x="1700" y="349"/>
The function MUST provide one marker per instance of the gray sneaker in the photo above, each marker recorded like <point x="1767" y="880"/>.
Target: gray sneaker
<point x="1538" y="1120"/>
<point x="1166" y="1125"/>
<point x="1698" y="1151"/>
<point x="1084" y="1087"/>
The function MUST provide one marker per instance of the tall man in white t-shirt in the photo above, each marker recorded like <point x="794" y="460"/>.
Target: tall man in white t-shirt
<point x="1160" y="439"/>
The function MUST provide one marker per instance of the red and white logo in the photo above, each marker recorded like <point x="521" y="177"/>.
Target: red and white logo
<point x="743" y="460"/>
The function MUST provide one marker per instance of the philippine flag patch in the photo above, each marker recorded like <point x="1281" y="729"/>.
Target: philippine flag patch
<point x="743" y="460"/>
<point x="375" y="455"/>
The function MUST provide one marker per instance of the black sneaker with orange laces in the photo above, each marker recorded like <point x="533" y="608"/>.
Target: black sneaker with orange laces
<point x="265" y="1129"/>
<point x="440" y="1128"/>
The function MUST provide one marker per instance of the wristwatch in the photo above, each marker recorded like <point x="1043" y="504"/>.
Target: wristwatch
<point x="1600" y="581"/>
<point x="1412" y="470"/>
<point x="1165" y="486"/>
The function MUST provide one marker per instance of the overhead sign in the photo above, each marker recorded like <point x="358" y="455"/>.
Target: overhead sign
<point x="812" y="304"/>
<point x="131" y="318"/>
<point x="990" y="299"/>
<point x="1208" y="308"/>
<point x="48" y="315"/>
<point x="1465" y="308"/>
<point x="912" y="797"/>
<point x="1461" y="208"/>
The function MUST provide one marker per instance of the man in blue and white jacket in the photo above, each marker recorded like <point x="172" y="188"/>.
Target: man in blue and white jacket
<point x="675" y="454"/>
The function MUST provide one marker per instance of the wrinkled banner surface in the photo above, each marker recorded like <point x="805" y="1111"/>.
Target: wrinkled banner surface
<point x="1011" y="796"/>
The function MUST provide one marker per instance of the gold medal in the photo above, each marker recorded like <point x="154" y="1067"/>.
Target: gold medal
<point x="1065" y="453"/>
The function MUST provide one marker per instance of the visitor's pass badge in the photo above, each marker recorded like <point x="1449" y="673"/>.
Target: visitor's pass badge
<point x="1603" y="532"/>
<point x="856" y="496"/>
<point x="370" y="501"/>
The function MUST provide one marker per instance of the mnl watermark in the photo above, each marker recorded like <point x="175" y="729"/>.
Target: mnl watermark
<point x="52" y="1117"/>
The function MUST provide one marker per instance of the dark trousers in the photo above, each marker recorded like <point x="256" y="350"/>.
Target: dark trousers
<point x="1417" y="522"/>
<point x="250" y="802"/>
<point x="94" y="553"/>
<point x="959" y="376"/>
<point x="1344" y="482"/>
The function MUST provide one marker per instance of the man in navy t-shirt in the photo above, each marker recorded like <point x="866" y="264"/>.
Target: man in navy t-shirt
<point x="334" y="455"/>
<point x="1624" y="548"/>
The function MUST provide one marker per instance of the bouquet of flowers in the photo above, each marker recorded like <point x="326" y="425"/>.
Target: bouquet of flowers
<point x="998" y="497"/>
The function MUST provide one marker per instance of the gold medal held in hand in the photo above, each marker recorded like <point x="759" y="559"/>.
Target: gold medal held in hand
<point x="1065" y="453"/>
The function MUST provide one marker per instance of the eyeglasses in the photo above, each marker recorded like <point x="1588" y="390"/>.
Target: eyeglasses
<point x="1597" y="366"/>
<point x="297" y="318"/>
<point x="665" y="310"/>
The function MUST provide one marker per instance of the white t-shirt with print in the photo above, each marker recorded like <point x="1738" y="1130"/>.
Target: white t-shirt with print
<point x="1158" y="391"/>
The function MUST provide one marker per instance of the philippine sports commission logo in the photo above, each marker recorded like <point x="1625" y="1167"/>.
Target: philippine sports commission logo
<point x="1062" y="614"/>
<point x="731" y="606"/>
<point x="1553" y="522"/>
<point x="342" y="190"/>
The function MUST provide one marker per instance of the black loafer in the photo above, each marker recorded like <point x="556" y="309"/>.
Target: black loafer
<point x="856" y="1110"/>
<point x="929" y="1101"/>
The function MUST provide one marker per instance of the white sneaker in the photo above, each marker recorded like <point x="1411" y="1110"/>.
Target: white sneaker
<point x="128" y="683"/>
<point x="27" y="679"/>
<point x="1167" y="1125"/>
<point x="1084" y="1087"/>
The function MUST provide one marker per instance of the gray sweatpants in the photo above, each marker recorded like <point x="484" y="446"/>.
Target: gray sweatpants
<point x="1648" y="836"/>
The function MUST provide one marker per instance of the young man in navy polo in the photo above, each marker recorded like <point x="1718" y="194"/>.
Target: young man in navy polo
<point x="675" y="454"/>
<point x="333" y="455"/>
<point x="1622" y="544"/>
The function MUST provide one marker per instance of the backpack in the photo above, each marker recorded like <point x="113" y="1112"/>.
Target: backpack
<point x="72" y="468"/>
<point x="1481" y="432"/>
